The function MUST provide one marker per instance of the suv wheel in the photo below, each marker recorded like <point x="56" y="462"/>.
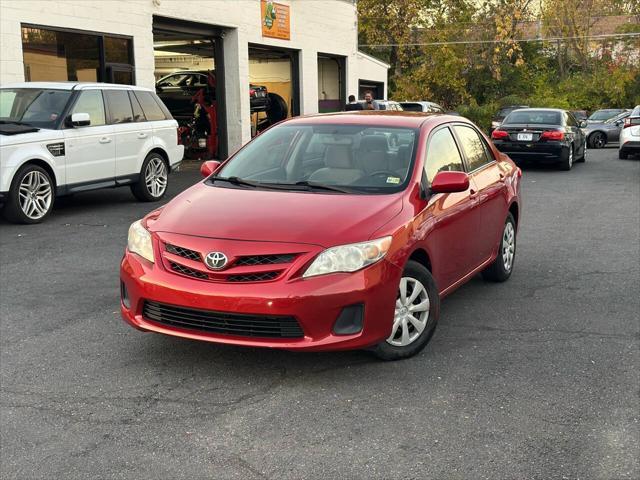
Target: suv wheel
<point x="501" y="268"/>
<point x="154" y="178"/>
<point x="416" y="314"/>
<point x="30" y="198"/>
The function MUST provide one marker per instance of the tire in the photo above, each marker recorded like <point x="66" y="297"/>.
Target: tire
<point x="31" y="195"/>
<point x="501" y="268"/>
<point x="399" y="346"/>
<point x="622" y="155"/>
<point x="277" y="110"/>
<point x="597" y="140"/>
<point x="583" y="157"/>
<point x="566" y="162"/>
<point x="154" y="179"/>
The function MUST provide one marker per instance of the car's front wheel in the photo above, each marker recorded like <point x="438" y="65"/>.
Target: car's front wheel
<point x="30" y="198"/>
<point x="154" y="178"/>
<point x="417" y="310"/>
<point x="501" y="268"/>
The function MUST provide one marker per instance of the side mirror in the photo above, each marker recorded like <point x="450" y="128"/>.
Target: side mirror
<point x="80" y="120"/>
<point x="209" y="167"/>
<point x="619" y="123"/>
<point x="583" y="124"/>
<point x="447" y="182"/>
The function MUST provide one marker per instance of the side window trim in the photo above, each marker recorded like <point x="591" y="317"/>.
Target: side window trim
<point x="487" y="150"/>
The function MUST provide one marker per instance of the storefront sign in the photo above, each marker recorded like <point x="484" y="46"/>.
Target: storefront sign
<point x="275" y="20"/>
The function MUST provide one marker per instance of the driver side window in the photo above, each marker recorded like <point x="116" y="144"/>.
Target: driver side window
<point x="442" y="154"/>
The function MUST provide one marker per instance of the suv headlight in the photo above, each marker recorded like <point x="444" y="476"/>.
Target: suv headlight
<point x="349" y="258"/>
<point x="139" y="241"/>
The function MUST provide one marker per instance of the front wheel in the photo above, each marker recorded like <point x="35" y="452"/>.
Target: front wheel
<point x="154" y="178"/>
<point x="417" y="310"/>
<point x="30" y="199"/>
<point x="501" y="268"/>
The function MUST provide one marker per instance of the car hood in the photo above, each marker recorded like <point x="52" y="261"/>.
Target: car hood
<point x="42" y="135"/>
<point x="276" y="216"/>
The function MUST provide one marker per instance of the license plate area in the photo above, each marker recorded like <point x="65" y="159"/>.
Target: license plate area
<point x="525" y="137"/>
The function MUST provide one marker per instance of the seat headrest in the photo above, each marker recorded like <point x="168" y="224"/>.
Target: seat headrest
<point x="374" y="162"/>
<point x="374" y="143"/>
<point x="338" y="156"/>
<point x="401" y="159"/>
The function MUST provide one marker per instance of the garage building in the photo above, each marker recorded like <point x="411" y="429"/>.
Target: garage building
<point x="304" y="53"/>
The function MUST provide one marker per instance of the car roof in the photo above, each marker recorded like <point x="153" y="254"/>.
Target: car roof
<point x="73" y="85"/>
<point x="380" y="118"/>
<point x="559" y="110"/>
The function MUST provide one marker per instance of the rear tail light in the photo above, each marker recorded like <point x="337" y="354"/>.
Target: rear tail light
<point x="552" y="135"/>
<point x="499" y="134"/>
<point x="252" y="92"/>
<point x="630" y="122"/>
<point x="179" y="136"/>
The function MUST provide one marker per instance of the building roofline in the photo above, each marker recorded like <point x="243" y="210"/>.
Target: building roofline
<point x="374" y="59"/>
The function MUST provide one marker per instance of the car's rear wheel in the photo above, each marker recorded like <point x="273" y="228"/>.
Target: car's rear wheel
<point x="154" y="178"/>
<point x="566" y="161"/>
<point x="597" y="140"/>
<point x="583" y="157"/>
<point x="31" y="196"/>
<point x="417" y="310"/>
<point x="622" y="155"/>
<point x="501" y="268"/>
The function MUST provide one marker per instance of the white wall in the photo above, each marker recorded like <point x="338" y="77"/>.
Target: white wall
<point x="327" y="26"/>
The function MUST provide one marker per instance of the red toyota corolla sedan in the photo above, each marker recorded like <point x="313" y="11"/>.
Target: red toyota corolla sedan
<point x="329" y="232"/>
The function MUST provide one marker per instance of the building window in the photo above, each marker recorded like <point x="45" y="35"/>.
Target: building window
<point x="63" y="55"/>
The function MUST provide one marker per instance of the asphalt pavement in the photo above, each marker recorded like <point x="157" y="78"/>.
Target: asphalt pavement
<point x="534" y="378"/>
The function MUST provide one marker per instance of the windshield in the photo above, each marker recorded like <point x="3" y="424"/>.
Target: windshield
<point x="36" y="107"/>
<point x="604" y="114"/>
<point x="359" y="158"/>
<point x="539" y="117"/>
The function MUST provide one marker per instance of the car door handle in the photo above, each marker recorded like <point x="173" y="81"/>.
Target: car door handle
<point x="142" y="135"/>
<point x="473" y="194"/>
<point x="501" y="176"/>
<point x="105" y="140"/>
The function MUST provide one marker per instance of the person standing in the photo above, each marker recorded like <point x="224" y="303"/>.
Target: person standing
<point x="352" y="105"/>
<point x="368" y="100"/>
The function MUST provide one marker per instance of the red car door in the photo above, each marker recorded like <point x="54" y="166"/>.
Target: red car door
<point x="451" y="219"/>
<point x="488" y="179"/>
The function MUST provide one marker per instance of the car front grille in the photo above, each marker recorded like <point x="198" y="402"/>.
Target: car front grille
<point x="252" y="260"/>
<point x="176" y="267"/>
<point x="223" y="323"/>
<point x="253" y="277"/>
<point x="183" y="252"/>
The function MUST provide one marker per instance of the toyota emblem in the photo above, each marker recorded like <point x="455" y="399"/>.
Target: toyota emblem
<point x="215" y="260"/>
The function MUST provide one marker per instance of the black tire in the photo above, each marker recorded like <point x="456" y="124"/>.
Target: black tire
<point x="277" y="110"/>
<point x="597" y="140"/>
<point x="13" y="211"/>
<point x="622" y="155"/>
<point x="499" y="270"/>
<point x="150" y="191"/>
<point x="566" y="161"/>
<point x="385" y="350"/>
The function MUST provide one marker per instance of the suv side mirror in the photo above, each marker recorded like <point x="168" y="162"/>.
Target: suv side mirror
<point x="209" y="167"/>
<point x="80" y="120"/>
<point x="448" y="182"/>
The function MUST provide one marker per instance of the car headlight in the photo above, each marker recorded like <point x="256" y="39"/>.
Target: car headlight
<point x="349" y="258"/>
<point x="139" y="241"/>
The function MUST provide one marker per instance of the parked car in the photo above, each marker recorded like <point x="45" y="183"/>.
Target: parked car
<point x="580" y="115"/>
<point x="496" y="121"/>
<point x="317" y="235"/>
<point x="542" y="135"/>
<point x="630" y="135"/>
<point x="604" y="114"/>
<point x="62" y="138"/>
<point x="420" y="106"/>
<point x="599" y="134"/>
<point x="387" y="105"/>
<point x="177" y="89"/>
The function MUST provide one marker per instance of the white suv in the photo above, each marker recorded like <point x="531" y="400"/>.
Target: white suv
<point x="630" y="135"/>
<point x="61" y="138"/>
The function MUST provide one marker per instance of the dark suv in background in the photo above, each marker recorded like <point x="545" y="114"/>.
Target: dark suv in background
<point x="496" y="121"/>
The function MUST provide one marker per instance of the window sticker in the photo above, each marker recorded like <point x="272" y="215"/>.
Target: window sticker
<point x="393" y="180"/>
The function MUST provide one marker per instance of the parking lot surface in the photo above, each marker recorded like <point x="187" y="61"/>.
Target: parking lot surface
<point x="534" y="378"/>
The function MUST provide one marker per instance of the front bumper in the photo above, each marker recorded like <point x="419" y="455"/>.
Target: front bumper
<point x="314" y="302"/>
<point x="538" y="152"/>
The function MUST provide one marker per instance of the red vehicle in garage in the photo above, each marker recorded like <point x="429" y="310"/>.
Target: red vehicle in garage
<point x="331" y="232"/>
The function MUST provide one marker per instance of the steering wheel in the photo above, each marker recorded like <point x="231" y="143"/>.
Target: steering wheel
<point x="386" y="173"/>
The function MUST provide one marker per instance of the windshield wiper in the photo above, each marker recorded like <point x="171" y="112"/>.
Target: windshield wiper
<point x="322" y="186"/>
<point x="236" y="181"/>
<point x="12" y="122"/>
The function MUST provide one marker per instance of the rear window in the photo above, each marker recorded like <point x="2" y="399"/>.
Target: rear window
<point x="411" y="107"/>
<point x="534" y="117"/>
<point x="152" y="109"/>
<point x="119" y="106"/>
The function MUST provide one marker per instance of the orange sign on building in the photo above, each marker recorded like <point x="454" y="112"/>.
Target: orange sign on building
<point x="275" y="20"/>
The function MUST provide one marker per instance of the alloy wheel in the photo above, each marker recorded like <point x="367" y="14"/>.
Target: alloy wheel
<point x="508" y="246"/>
<point x="599" y="141"/>
<point x="155" y="177"/>
<point x="35" y="195"/>
<point x="411" y="313"/>
<point x="570" y="156"/>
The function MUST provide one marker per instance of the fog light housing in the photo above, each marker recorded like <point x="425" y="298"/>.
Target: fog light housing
<point x="350" y="321"/>
<point x="124" y="295"/>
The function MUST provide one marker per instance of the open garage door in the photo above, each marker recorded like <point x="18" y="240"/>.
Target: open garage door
<point x="376" y="88"/>
<point x="189" y="71"/>
<point x="332" y="95"/>
<point x="274" y="71"/>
